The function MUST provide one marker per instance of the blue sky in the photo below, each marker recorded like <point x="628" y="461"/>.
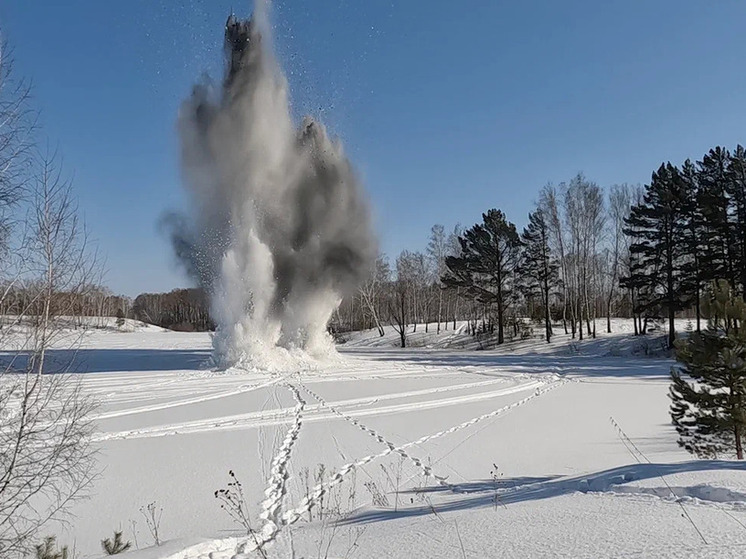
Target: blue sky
<point x="446" y="108"/>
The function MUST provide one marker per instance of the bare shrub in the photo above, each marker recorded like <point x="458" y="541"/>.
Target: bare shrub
<point x="233" y="502"/>
<point x="46" y="459"/>
<point x="153" y="514"/>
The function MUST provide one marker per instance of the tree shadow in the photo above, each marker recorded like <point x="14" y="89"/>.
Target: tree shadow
<point x="591" y="366"/>
<point x="480" y="486"/>
<point x="488" y="493"/>
<point x="112" y="360"/>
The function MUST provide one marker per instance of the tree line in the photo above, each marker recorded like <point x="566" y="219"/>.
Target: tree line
<point x="21" y="299"/>
<point x="185" y="310"/>
<point x="688" y="230"/>
<point x="562" y="268"/>
<point x="642" y="252"/>
<point x="586" y="252"/>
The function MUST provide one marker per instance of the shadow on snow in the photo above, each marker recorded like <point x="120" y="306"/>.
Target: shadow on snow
<point x="113" y="360"/>
<point x="592" y="366"/>
<point x="504" y="492"/>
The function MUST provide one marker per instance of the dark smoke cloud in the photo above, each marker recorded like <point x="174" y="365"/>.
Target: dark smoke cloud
<point x="279" y="228"/>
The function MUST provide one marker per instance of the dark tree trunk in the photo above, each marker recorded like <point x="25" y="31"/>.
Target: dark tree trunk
<point x="671" y="294"/>
<point x="547" y="317"/>
<point x="737" y="436"/>
<point x="500" y="333"/>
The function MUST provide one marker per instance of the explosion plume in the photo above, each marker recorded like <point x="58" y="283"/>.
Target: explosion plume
<point x="279" y="228"/>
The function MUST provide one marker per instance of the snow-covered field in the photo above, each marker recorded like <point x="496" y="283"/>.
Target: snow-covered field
<point x="534" y="450"/>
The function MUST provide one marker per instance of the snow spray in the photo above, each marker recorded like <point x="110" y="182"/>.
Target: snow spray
<point x="279" y="228"/>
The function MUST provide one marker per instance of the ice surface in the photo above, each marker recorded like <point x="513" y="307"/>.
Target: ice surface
<point x="512" y="451"/>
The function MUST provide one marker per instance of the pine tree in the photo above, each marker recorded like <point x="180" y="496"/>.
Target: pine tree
<point x="661" y="269"/>
<point x="710" y="413"/>
<point x="484" y="270"/>
<point x="736" y="188"/>
<point x="115" y="546"/>
<point x="120" y="318"/>
<point x="714" y="203"/>
<point x="538" y="271"/>
<point x="629" y="279"/>
<point x="694" y="238"/>
<point x="48" y="549"/>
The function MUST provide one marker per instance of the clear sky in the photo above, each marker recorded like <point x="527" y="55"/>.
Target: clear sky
<point x="446" y="108"/>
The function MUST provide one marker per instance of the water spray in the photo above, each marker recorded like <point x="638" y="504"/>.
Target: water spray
<point x="278" y="229"/>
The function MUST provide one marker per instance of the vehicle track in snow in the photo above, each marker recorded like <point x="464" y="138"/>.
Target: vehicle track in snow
<point x="188" y="401"/>
<point x="272" y="513"/>
<point x="166" y="392"/>
<point x="279" y="416"/>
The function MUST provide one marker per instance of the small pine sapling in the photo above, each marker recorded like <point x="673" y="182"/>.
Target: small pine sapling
<point x="708" y="392"/>
<point x="115" y="546"/>
<point x="48" y="549"/>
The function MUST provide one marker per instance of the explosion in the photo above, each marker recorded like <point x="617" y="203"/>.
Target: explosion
<point x="279" y="228"/>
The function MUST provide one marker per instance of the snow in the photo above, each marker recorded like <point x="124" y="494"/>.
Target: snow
<point x="530" y="450"/>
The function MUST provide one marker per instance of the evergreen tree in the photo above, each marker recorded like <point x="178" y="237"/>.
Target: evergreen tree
<point x="485" y="267"/>
<point x="120" y="318"/>
<point x="714" y="203"/>
<point x="629" y="279"/>
<point x="710" y="413"/>
<point x="736" y="188"/>
<point x="115" y="546"/>
<point x="695" y="238"/>
<point x="48" y="549"/>
<point x="657" y="226"/>
<point x="538" y="271"/>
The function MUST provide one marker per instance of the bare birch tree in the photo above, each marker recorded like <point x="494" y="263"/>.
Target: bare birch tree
<point x="583" y="203"/>
<point x="549" y="205"/>
<point x="620" y="202"/>
<point x="400" y="301"/>
<point x="46" y="458"/>
<point x="437" y="250"/>
<point x="17" y="126"/>
<point x="373" y="291"/>
<point x="453" y="248"/>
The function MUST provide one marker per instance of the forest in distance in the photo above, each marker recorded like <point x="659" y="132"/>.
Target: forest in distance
<point x="587" y="252"/>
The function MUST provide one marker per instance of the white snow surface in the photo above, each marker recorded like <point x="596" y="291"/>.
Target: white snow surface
<point x="529" y="450"/>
